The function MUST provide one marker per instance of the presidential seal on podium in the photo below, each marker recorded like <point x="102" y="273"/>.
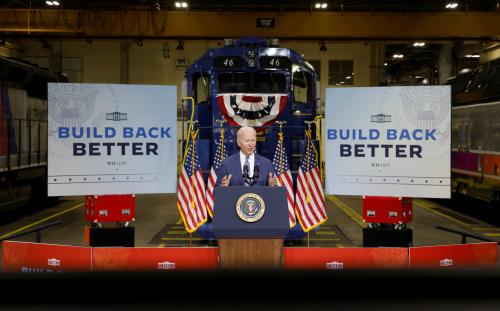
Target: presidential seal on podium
<point x="250" y="207"/>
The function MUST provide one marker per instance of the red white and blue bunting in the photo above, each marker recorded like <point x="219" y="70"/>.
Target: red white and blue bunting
<point x="251" y="109"/>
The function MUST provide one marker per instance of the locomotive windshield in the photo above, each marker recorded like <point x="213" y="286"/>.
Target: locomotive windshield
<point x="247" y="82"/>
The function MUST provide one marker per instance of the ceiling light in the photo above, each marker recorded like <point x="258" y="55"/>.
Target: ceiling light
<point x="321" y="5"/>
<point x="419" y="44"/>
<point x="397" y="56"/>
<point x="181" y="4"/>
<point x="472" y="56"/>
<point x="322" y="46"/>
<point x="452" y="5"/>
<point x="180" y="46"/>
<point x="56" y="3"/>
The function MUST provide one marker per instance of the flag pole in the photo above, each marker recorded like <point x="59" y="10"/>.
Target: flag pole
<point x="308" y="137"/>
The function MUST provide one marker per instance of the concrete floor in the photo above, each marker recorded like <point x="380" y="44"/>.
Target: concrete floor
<point x="157" y="219"/>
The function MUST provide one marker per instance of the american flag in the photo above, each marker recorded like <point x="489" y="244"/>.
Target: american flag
<point x="191" y="190"/>
<point x="284" y="177"/>
<point x="220" y="155"/>
<point x="310" y="200"/>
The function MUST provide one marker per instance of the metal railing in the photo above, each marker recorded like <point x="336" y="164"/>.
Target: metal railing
<point x="465" y="235"/>
<point x="37" y="230"/>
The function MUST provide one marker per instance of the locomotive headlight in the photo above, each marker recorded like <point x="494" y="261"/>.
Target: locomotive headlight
<point x="251" y="54"/>
<point x="251" y="63"/>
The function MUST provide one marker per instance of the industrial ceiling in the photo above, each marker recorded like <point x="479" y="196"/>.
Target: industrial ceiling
<point x="266" y="5"/>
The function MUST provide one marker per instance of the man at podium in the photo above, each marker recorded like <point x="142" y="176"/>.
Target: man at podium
<point x="246" y="168"/>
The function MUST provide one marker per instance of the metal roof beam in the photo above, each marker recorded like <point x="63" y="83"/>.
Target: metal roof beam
<point x="298" y="26"/>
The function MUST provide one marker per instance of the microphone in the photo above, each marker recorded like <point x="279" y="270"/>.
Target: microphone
<point x="246" y="178"/>
<point x="245" y="171"/>
<point x="256" y="172"/>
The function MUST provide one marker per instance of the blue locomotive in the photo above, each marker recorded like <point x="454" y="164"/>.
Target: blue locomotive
<point x="251" y="81"/>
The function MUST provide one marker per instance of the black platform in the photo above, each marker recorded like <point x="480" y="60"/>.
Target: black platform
<point x="120" y="236"/>
<point x="388" y="237"/>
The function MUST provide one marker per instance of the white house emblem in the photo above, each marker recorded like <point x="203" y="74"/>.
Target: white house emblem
<point x="334" y="265"/>
<point x="54" y="262"/>
<point x="166" y="265"/>
<point x="446" y="262"/>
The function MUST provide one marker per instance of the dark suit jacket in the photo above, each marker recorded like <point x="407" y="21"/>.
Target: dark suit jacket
<point x="232" y="166"/>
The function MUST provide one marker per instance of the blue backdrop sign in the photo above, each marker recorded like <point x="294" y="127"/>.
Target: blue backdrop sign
<point x="388" y="141"/>
<point x="111" y="139"/>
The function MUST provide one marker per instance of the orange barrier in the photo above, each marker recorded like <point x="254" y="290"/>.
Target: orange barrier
<point x="114" y="258"/>
<point x="464" y="256"/>
<point x="44" y="258"/>
<point x="345" y="258"/>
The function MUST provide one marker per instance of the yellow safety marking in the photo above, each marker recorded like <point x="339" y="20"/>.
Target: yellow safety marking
<point x="162" y="245"/>
<point x="424" y="203"/>
<point x="177" y="232"/>
<point x="179" y="221"/>
<point x="317" y="239"/>
<point x="431" y="209"/>
<point x="486" y="229"/>
<point x="339" y="245"/>
<point x="325" y="233"/>
<point x="180" y="239"/>
<point x="40" y="221"/>
<point x="491" y="234"/>
<point x="348" y="211"/>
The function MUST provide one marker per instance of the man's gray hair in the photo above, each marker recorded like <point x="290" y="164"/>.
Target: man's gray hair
<point x="244" y="129"/>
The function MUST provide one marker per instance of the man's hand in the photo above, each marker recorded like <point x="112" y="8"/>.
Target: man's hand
<point x="272" y="181"/>
<point x="225" y="181"/>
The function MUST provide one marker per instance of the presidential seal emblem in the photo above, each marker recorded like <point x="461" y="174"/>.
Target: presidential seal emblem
<point x="250" y="207"/>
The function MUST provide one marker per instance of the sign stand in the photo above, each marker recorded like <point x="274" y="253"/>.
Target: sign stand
<point x="101" y="209"/>
<point x="387" y="218"/>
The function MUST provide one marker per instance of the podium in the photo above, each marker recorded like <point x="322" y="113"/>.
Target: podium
<point x="251" y="224"/>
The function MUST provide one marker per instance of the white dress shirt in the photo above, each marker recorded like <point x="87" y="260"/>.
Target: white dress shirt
<point x="251" y="160"/>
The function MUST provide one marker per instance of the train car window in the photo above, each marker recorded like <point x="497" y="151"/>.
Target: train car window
<point x="269" y="82"/>
<point x="340" y="72"/>
<point x="72" y="67"/>
<point x="233" y="82"/>
<point x="200" y="87"/>
<point x="301" y="87"/>
<point x="460" y="82"/>
<point x="494" y="79"/>
<point x="316" y="63"/>
<point x="477" y="82"/>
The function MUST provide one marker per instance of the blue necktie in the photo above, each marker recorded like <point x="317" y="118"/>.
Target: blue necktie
<point x="247" y="163"/>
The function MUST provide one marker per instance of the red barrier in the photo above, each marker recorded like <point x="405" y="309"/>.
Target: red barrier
<point x="111" y="258"/>
<point x="345" y="258"/>
<point x="464" y="256"/>
<point x="41" y="258"/>
<point x="44" y="258"/>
